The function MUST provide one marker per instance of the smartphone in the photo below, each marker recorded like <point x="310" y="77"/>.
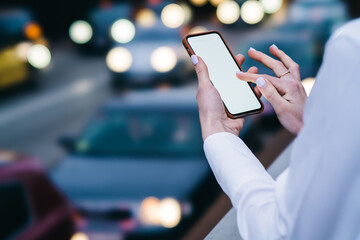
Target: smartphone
<point x="239" y="97"/>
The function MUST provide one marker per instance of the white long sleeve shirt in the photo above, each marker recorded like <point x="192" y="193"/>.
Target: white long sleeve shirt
<point x="318" y="196"/>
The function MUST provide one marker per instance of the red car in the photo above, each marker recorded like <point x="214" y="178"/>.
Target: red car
<point x="31" y="207"/>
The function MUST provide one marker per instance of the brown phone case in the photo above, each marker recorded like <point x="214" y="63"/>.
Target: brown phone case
<point x="191" y="52"/>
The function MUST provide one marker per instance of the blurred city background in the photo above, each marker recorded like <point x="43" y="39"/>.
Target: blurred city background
<point x="99" y="130"/>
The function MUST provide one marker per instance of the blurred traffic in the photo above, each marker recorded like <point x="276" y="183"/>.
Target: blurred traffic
<point x="100" y="135"/>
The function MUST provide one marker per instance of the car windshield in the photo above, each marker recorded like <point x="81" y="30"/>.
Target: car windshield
<point x="142" y="134"/>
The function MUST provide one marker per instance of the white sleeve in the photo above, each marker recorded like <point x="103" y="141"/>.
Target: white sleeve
<point x="251" y="189"/>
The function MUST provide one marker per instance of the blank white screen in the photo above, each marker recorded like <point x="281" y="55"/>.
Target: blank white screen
<point x="236" y="94"/>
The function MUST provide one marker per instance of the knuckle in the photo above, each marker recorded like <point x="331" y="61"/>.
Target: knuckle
<point x="296" y="66"/>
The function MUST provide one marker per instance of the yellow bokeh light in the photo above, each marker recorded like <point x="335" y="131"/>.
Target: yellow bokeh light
<point x="228" y="12"/>
<point x="198" y="3"/>
<point x="119" y="59"/>
<point x="187" y="11"/>
<point x="22" y="50"/>
<point x="198" y="29"/>
<point x="215" y="3"/>
<point x="308" y="84"/>
<point x="149" y="211"/>
<point x="271" y="6"/>
<point x="173" y="15"/>
<point x="122" y="31"/>
<point x="252" y="12"/>
<point x="163" y="59"/>
<point x="80" y="32"/>
<point x="146" y="18"/>
<point x="79" y="236"/>
<point x="170" y="212"/>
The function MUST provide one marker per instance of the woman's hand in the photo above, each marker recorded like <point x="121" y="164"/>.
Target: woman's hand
<point x="212" y="114"/>
<point x="284" y="92"/>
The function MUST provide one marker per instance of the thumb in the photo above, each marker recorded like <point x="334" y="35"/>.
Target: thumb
<point x="270" y="93"/>
<point x="201" y="70"/>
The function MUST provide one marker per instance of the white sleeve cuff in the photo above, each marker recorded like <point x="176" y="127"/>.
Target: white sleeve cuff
<point x="235" y="167"/>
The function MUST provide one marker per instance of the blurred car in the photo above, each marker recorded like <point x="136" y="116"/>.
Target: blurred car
<point x="31" y="207"/>
<point x="155" y="55"/>
<point x="94" y="33"/>
<point x="139" y="164"/>
<point x="23" y="48"/>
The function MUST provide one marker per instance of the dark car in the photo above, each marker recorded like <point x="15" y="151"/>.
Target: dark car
<point x="94" y="33"/>
<point x="154" y="56"/>
<point x="31" y="207"/>
<point x="23" y="48"/>
<point x="139" y="164"/>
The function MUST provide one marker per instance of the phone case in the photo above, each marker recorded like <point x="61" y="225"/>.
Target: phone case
<point x="191" y="52"/>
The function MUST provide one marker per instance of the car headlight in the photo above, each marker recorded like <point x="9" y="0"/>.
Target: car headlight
<point x="80" y="32"/>
<point x="166" y="212"/>
<point x="39" y="56"/>
<point x="122" y="31"/>
<point x="163" y="59"/>
<point x="119" y="59"/>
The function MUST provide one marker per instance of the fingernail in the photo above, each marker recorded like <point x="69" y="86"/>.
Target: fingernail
<point x="260" y="82"/>
<point x="239" y="72"/>
<point x="194" y="59"/>
<point x="275" y="46"/>
<point x="252" y="49"/>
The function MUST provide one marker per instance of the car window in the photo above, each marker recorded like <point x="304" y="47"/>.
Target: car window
<point x="147" y="134"/>
<point x="15" y="214"/>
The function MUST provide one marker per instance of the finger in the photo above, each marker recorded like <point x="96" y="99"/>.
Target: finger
<point x="285" y="59"/>
<point x="257" y="91"/>
<point x="276" y="66"/>
<point x="240" y="59"/>
<point x="253" y="70"/>
<point x="201" y="71"/>
<point x="271" y="94"/>
<point x="251" y="77"/>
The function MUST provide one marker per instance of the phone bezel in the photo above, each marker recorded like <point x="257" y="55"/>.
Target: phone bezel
<point x="190" y="51"/>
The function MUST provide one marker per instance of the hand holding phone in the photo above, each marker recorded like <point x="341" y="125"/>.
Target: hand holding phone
<point x="238" y="97"/>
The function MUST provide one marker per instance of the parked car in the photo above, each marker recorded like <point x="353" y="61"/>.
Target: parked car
<point x="139" y="164"/>
<point x="94" y="33"/>
<point x="31" y="207"/>
<point x="23" y="48"/>
<point x="155" y="55"/>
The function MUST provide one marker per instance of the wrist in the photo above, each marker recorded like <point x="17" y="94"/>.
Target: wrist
<point x="212" y="127"/>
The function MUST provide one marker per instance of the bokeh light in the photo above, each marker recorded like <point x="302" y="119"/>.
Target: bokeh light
<point x="308" y="84"/>
<point x="39" y="56"/>
<point x="79" y="236"/>
<point x="271" y="6"/>
<point x="33" y="31"/>
<point x="149" y="211"/>
<point x="163" y="59"/>
<point x="80" y="32"/>
<point x="122" y="31"/>
<point x="187" y="11"/>
<point x="215" y="3"/>
<point x="198" y="29"/>
<point x="146" y="18"/>
<point x="170" y="212"/>
<point x="198" y="3"/>
<point x="252" y="12"/>
<point x="228" y="12"/>
<point x="173" y="15"/>
<point x="22" y="50"/>
<point x="119" y="59"/>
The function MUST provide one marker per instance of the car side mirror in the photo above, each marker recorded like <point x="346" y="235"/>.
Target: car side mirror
<point x="67" y="142"/>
